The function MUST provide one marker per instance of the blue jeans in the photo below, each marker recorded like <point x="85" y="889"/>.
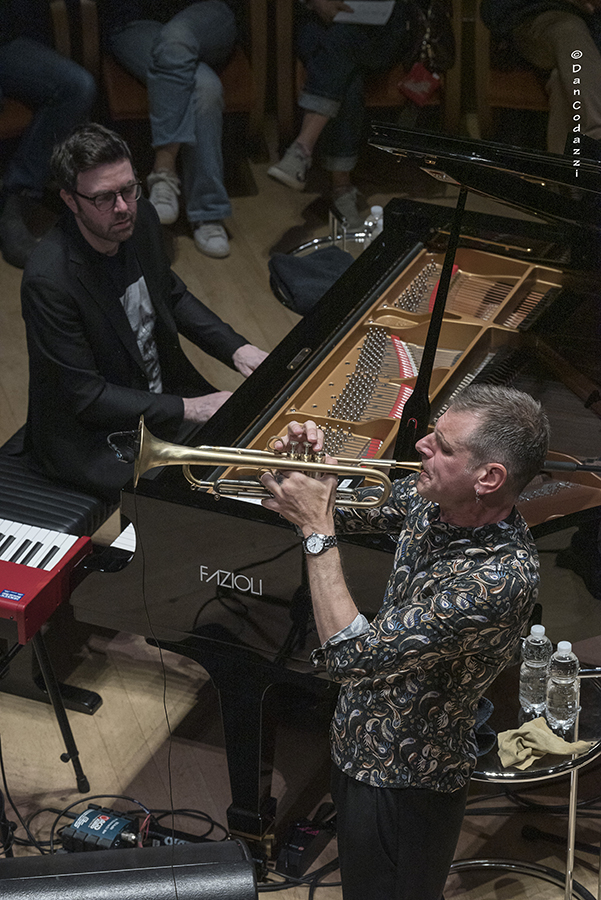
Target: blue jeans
<point x="61" y="94"/>
<point x="337" y="57"/>
<point x="178" y="63"/>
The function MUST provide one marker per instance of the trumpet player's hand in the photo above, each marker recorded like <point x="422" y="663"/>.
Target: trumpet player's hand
<point x="305" y="432"/>
<point x="200" y="409"/>
<point x="305" y="501"/>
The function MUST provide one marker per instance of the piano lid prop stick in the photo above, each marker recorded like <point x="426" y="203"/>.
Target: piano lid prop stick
<point x="416" y="411"/>
<point x="434" y="293"/>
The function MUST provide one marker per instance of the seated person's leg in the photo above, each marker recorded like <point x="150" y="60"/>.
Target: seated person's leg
<point x="335" y="58"/>
<point x="547" y="41"/>
<point x="186" y="101"/>
<point x="340" y="145"/>
<point x="61" y="93"/>
<point x="132" y="46"/>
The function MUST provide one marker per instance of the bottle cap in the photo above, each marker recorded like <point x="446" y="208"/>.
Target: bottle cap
<point x="538" y="630"/>
<point x="377" y="211"/>
<point x="565" y="646"/>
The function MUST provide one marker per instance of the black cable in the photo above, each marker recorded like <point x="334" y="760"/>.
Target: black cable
<point x="6" y="829"/>
<point x="312" y="879"/>
<point x="34" y="842"/>
<point x="321" y="873"/>
<point x="192" y="814"/>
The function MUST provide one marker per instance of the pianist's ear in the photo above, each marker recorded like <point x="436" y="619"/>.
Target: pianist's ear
<point x="69" y="200"/>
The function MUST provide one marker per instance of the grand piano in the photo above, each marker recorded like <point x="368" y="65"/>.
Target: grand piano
<point x="222" y="580"/>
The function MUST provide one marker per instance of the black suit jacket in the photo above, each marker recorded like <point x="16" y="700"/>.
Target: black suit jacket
<point x="86" y="376"/>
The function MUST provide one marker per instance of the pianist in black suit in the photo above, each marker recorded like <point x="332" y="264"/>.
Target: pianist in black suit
<point x="464" y="580"/>
<point x="103" y="311"/>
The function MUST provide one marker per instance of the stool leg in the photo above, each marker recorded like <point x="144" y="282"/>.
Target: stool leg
<point x="51" y="683"/>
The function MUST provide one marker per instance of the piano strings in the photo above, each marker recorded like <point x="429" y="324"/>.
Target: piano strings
<point x="526" y="305"/>
<point x="479" y="296"/>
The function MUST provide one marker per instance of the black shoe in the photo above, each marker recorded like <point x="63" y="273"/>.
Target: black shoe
<point x="16" y="240"/>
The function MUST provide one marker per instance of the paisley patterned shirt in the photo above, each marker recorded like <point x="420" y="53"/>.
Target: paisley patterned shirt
<point x="455" y="606"/>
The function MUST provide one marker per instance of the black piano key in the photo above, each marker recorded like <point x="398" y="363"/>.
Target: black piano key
<point x="44" y="562"/>
<point x="22" y="548"/>
<point x="32" y="552"/>
<point x="6" y="544"/>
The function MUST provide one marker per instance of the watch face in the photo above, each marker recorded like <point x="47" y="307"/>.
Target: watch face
<point x="314" y="543"/>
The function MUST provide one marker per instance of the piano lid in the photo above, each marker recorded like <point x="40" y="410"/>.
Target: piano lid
<point x="560" y="188"/>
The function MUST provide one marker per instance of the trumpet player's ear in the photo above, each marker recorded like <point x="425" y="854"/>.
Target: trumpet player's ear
<point x="491" y="478"/>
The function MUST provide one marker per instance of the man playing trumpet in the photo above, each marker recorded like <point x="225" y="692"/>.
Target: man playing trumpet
<point x="461" y="591"/>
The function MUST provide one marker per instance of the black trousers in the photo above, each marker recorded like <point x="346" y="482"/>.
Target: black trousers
<point x="395" y="843"/>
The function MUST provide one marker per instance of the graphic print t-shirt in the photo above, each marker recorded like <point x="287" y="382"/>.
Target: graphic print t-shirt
<point x="126" y="275"/>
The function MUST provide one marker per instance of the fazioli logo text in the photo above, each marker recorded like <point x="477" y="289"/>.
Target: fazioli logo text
<point x="233" y="580"/>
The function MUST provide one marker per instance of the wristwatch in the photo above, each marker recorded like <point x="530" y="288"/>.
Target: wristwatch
<point x="319" y="543"/>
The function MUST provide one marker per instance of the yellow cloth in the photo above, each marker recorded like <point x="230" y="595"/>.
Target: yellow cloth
<point x="520" y="747"/>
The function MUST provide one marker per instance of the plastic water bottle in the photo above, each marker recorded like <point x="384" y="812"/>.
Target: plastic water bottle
<point x="563" y="687"/>
<point x="536" y="653"/>
<point x="374" y="224"/>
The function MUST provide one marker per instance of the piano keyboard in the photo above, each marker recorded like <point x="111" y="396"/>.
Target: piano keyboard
<point x="35" y="573"/>
<point x="27" y="545"/>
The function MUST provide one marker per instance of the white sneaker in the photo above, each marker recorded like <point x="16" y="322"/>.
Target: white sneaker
<point x="211" y="239"/>
<point x="292" y="168"/>
<point x="164" y="189"/>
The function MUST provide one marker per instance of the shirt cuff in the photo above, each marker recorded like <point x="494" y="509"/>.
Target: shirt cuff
<point x="358" y="626"/>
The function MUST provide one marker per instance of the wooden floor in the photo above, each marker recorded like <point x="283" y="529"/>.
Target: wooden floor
<point x="157" y="738"/>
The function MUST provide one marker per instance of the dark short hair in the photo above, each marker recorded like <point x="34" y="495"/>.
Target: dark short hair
<point x="513" y="430"/>
<point x="84" y="148"/>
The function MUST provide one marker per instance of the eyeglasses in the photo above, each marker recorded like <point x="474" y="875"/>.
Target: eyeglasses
<point x="104" y="202"/>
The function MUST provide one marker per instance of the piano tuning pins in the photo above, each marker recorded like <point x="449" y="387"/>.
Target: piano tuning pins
<point x="363" y="380"/>
<point x="335" y="439"/>
<point x="417" y="294"/>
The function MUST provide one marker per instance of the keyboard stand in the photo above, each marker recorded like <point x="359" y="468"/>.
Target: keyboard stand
<point x="52" y="694"/>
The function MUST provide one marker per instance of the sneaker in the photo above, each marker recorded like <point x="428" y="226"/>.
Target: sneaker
<point x="292" y="168"/>
<point x="164" y="190"/>
<point x="16" y="240"/>
<point x="345" y="205"/>
<point x="211" y="239"/>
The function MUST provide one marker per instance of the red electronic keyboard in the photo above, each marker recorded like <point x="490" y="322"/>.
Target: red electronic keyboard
<point x="35" y="570"/>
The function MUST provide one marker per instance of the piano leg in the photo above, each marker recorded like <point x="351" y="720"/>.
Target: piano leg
<point x="243" y="680"/>
<point x="56" y="699"/>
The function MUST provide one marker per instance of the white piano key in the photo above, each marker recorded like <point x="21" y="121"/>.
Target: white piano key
<point x="63" y="542"/>
<point x="16" y="533"/>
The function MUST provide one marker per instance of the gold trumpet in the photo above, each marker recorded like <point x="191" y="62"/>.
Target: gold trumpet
<point x="152" y="452"/>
